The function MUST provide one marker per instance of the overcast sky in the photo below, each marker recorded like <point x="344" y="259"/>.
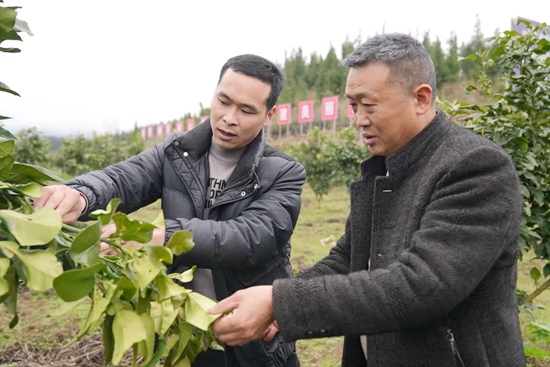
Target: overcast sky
<point x="106" y="65"/>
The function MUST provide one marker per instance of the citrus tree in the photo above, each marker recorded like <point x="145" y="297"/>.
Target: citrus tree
<point x="518" y="119"/>
<point x="135" y="302"/>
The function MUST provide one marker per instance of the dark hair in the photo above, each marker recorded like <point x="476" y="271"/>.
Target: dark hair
<point x="409" y="61"/>
<point x="259" y="68"/>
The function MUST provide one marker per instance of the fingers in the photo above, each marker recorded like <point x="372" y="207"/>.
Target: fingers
<point x="69" y="203"/>
<point x="226" y="305"/>
<point x="270" y="332"/>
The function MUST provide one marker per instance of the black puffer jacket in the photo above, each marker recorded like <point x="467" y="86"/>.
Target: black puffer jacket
<point x="246" y="240"/>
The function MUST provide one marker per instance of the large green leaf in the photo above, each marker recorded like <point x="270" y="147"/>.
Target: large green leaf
<point x="7" y="20"/>
<point x="6" y="165"/>
<point x="145" y="271"/>
<point x="75" y="284"/>
<point x="181" y="242"/>
<point x="23" y="173"/>
<point x="196" y="308"/>
<point x="6" y="147"/>
<point x="163" y="313"/>
<point x="85" y="248"/>
<point x="146" y="348"/>
<point x="133" y="230"/>
<point x="159" y="254"/>
<point x="105" y="216"/>
<point x="38" y="228"/>
<point x="128" y="329"/>
<point x="32" y="189"/>
<point x="167" y="288"/>
<point x="40" y="267"/>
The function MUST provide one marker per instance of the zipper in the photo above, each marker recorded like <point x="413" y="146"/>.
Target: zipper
<point x="454" y="348"/>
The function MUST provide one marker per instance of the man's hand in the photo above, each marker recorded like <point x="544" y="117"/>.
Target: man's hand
<point x="271" y="331"/>
<point x="252" y="314"/>
<point x="157" y="239"/>
<point x="69" y="203"/>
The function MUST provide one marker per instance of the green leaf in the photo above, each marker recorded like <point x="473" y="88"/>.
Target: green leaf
<point x="534" y="352"/>
<point x="75" y="284"/>
<point x="159" y="254"/>
<point x="7" y="19"/>
<point x="6" y="147"/>
<point x="196" y="308"/>
<point x="133" y="230"/>
<point x="40" y="267"/>
<point x="9" y="299"/>
<point x="184" y="277"/>
<point x="6" y="165"/>
<point x="159" y="220"/>
<point x="146" y="348"/>
<point x="167" y="288"/>
<point x="4" y="285"/>
<point x="163" y="315"/>
<point x="535" y="273"/>
<point x="5" y="133"/>
<point x="23" y="173"/>
<point x="546" y="270"/>
<point x="128" y="329"/>
<point x="145" y="272"/>
<point x="105" y="216"/>
<point x="10" y="49"/>
<point x="5" y="88"/>
<point x="34" y="229"/>
<point x="32" y="189"/>
<point x="181" y="242"/>
<point x="85" y="248"/>
<point x="108" y="340"/>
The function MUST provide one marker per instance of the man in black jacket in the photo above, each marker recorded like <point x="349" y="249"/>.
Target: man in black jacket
<point x="425" y="272"/>
<point x="239" y="197"/>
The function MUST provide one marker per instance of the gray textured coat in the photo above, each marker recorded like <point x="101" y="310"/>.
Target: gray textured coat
<point x="246" y="242"/>
<point x="441" y="233"/>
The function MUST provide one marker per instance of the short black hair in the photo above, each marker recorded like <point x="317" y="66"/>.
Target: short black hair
<point x="259" y="68"/>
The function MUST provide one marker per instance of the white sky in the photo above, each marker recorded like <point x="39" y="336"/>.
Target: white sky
<point x="104" y="65"/>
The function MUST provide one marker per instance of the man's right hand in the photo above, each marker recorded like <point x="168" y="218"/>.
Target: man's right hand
<point x="69" y="203"/>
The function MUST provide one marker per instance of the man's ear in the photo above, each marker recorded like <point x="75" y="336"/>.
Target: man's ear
<point x="423" y="97"/>
<point x="270" y="115"/>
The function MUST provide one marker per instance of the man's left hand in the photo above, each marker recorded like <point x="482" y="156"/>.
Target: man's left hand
<point x="251" y="314"/>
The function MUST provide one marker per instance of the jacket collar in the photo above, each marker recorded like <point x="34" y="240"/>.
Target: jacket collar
<point x="197" y="143"/>
<point x="420" y="146"/>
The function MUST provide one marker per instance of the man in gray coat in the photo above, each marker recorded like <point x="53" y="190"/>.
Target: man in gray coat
<point x="425" y="272"/>
<point x="239" y="197"/>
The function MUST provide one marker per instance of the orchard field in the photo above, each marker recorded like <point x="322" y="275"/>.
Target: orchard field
<point x="40" y="339"/>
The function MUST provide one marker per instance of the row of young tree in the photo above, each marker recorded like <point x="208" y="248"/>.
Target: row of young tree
<point x="76" y="155"/>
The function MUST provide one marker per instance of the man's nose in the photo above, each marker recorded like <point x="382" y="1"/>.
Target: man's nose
<point x="230" y="116"/>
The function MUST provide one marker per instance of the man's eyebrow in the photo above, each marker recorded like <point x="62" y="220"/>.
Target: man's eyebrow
<point x="246" y="105"/>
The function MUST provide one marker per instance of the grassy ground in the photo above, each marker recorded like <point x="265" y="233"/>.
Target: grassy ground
<point x="319" y="226"/>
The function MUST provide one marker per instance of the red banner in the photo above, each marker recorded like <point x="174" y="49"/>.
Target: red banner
<point x="305" y="111"/>
<point x="203" y="118"/>
<point x="179" y="126"/>
<point x="150" y="132"/>
<point x="190" y="124"/>
<point x="144" y="133"/>
<point x="160" y="130"/>
<point x="167" y="129"/>
<point x="283" y="114"/>
<point x="329" y="108"/>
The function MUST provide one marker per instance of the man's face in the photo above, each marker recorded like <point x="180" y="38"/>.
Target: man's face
<point x="238" y="110"/>
<point x="385" y="114"/>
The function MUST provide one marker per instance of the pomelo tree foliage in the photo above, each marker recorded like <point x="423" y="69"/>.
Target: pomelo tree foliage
<point x="135" y="302"/>
<point x="518" y="119"/>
